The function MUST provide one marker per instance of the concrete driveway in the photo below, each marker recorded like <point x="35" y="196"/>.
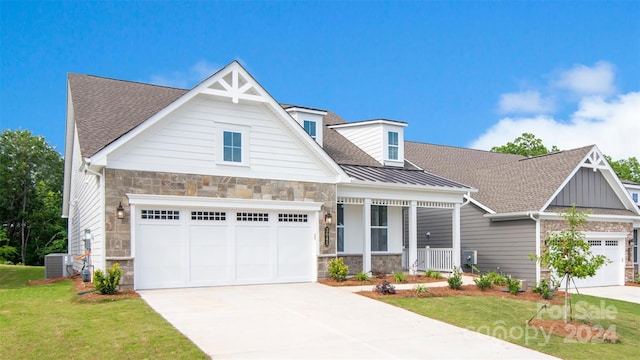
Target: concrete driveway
<point x="316" y="321"/>
<point x="624" y="293"/>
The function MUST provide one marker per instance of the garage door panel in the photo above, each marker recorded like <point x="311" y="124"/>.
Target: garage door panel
<point x="196" y="247"/>
<point x="160" y="256"/>
<point x="253" y="253"/>
<point x="294" y="245"/>
<point x="609" y="274"/>
<point x="209" y="254"/>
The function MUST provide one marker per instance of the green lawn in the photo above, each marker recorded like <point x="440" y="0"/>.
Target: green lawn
<point x="43" y="322"/>
<point x="505" y="318"/>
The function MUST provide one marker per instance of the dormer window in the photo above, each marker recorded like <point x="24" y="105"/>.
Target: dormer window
<point x="310" y="128"/>
<point x="393" y="145"/>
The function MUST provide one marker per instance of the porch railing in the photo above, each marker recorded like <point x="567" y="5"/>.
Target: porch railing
<point x="439" y="259"/>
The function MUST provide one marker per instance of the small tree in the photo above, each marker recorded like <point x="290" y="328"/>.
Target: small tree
<point x="567" y="253"/>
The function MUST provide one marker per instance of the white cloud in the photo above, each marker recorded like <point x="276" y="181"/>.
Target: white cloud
<point x="600" y="116"/>
<point x="524" y="102"/>
<point x="612" y="124"/>
<point x="186" y="79"/>
<point x="585" y="80"/>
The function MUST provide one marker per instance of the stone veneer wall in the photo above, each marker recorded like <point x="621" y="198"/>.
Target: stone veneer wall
<point x="549" y="226"/>
<point x="386" y="262"/>
<point x="118" y="183"/>
<point x="353" y="261"/>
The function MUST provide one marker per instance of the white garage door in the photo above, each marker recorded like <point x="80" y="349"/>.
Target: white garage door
<point x="191" y="247"/>
<point x="610" y="274"/>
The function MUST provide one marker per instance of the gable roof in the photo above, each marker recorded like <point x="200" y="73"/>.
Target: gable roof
<point x="105" y="109"/>
<point x="506" y="183"/>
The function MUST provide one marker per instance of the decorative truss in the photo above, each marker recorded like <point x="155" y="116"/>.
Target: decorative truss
<point x="235" y="85"/>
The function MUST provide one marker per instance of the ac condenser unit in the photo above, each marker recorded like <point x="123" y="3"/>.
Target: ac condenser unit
<point x="58" y="265"/>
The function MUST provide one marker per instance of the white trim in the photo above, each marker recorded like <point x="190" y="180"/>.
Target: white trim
<point x="204" y="202"/>
<point x="612" y="180"/>
<point x="411" y="187"/>
<point x="100" y="158"/>
<point x="306" y="110"/>
<point x="511" y="216"/>
<point x="369" y="122"/>
<point x="592" y="217"/>
<point x="479" y="204"/>
<point x="599" y="235"/>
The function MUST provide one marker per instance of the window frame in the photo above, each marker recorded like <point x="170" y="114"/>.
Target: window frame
<point x="377" y="227"/>
<point x="395" y="145"/>
<point x="340" y="229"/>
<point x="308" y="129"/>
<point x="232" y="146"/>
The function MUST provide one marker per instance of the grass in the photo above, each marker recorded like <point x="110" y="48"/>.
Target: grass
<point x="45" y="322"/>
<point x="506" y="318"/>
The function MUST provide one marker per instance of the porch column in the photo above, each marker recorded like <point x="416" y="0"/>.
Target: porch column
<point x="456" y="235"/>
<point x="413" y="237"/>
<point x="366" y="256"/>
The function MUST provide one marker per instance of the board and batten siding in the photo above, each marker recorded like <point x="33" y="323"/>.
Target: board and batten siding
<point x="85" y="212"/>
<point x="504" y="244"/>
<point x="189" y="141"/>
<point x="588" y="189"/>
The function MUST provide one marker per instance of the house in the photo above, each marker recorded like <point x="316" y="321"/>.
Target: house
<point x="518" y="204"/>
<point x="634" y="191"/>
<point x="222" y="185"/>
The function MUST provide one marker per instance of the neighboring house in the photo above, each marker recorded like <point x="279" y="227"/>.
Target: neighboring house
<point x="634" y="191"/>
<point x="518" y="202"/>
<point x="221" y="185"/>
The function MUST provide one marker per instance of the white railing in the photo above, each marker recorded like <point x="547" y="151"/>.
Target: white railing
<point x="439" y="259"/>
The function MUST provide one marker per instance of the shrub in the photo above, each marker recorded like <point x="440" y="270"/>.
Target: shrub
<point x="399" y="276"/>
<point x="338" y="270"/>
<point x="378" y="273"/>
<point x="362" y="276"/>
<point x="455" y="280"/>
<point x="483" y="282"/>
<point x="433" y="274"/>
<point x="543" y="289"/>
<point x="497" y="279"/>
<point x="637" y="279"/>
<point x="513" y="285"/>
<point x="108" y="284"/>
<point x="420" y="289"/>
<point x="385" y="288"/>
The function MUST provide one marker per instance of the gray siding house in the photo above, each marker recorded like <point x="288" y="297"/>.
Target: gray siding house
<point x="518" y="204"/>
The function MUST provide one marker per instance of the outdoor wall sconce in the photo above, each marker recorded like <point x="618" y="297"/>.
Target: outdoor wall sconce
<point x="120" y="211"/>
<point x="328" y="218"/>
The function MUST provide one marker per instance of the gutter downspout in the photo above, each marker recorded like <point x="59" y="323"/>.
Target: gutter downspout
<point x="102" y="222"/>
<point x="538" y="246"/>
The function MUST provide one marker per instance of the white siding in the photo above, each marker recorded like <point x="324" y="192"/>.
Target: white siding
<point x="367" y="137"/>
<point x="188" y="141"/>
<point x="85" y="212"/>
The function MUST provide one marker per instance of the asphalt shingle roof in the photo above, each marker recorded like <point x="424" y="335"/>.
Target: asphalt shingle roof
<point x="105" y="109"/>
<point x="505" y="183"/>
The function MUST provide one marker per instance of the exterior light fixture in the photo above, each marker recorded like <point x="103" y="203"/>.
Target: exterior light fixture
<point x="328" y="218"/>
<point x="120" y="211"/>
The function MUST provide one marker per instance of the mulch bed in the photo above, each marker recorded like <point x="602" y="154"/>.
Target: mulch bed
<point x="352" y="281"/>
<point x="467" y="290"/>
<point x="632" y="284"/>
<point x="84" y="290"/>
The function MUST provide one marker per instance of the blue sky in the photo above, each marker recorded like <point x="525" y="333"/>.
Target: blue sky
<point x="473" y="74"/>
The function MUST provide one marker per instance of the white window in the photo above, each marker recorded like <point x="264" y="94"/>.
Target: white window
<point x="379" y="228"/>
<point x="232" y="146"/>
<point x="310" y="128"/>
<point x="340" y="227"/>
<point x="393" y="145"/>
